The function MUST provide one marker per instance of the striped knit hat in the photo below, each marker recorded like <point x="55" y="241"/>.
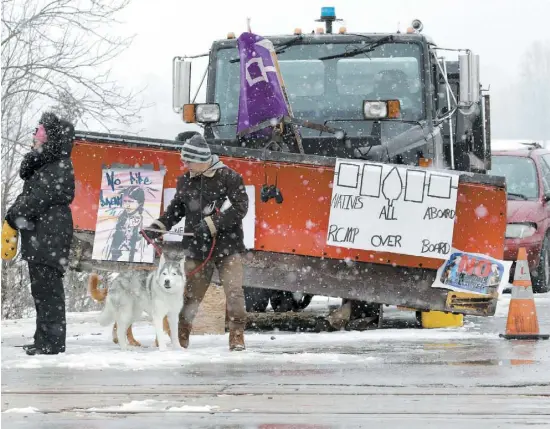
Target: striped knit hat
<point x="196" y="150"/>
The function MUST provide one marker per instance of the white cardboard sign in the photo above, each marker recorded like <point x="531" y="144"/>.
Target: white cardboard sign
<point x="249" y="221"/>
<point x="392" y="208"/>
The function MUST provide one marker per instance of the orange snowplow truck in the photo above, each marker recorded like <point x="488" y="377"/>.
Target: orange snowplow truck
<point x="362" y="103"/>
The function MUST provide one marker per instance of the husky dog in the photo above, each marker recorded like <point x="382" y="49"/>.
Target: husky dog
<point x="159" y="293"/>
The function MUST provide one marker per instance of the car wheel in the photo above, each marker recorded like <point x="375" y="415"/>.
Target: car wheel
<point x="256" y="299"/>
<point x="540" y="283"/>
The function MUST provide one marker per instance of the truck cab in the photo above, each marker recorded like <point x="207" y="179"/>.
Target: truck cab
<point x="330" y="76"/>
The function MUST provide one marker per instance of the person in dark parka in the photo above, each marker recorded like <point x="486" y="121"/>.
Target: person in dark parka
<point x="42" y="215"/>
<point x="201" y="196"/>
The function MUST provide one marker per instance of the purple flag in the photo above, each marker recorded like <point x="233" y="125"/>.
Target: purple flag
<point x="261" y="97"/>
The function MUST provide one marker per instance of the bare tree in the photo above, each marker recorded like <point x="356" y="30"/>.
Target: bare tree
<point x="534" y="86"/>
<point x="56" y="55"/>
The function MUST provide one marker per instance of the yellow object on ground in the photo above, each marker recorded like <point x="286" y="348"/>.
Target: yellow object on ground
<point x="9" y="242"/>
<point x="439" y="319"/>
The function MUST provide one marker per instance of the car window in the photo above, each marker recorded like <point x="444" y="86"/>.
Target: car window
<point x="520" y="173"/>
<point x="546" y="159"/>
<point x="545" y="170"/>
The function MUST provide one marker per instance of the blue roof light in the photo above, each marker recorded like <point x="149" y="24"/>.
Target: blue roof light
<point x="328" y="12"/>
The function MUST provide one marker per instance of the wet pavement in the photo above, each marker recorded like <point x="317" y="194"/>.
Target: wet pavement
<point x="392" y="378"/>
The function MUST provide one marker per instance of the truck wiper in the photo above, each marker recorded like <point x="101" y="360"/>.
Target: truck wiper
<point x="279" y="48"/>
<point x="365" y="49"/>
<point x="521" y="196"/>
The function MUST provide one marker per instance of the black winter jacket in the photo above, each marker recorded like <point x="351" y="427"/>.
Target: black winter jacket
<point x="41" y="212"/>
<point x="201" y="197"/>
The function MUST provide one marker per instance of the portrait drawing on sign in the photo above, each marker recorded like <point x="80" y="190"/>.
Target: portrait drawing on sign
<point x="125" y="242"/>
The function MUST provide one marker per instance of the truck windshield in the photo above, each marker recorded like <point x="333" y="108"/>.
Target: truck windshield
<point x="332" y="90"/>
<point x="520" y="173"/>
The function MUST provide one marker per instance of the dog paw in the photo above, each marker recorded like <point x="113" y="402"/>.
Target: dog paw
<point x="177" y="346"/>
<point x="162" y="348"/>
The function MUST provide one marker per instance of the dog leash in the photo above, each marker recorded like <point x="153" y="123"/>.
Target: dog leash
<point x="159" y="250"/>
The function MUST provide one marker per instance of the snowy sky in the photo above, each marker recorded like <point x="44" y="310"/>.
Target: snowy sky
<point x="498" y="30"/>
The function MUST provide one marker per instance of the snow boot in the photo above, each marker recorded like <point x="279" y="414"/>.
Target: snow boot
<point x="184" y="332"/>
<point x="236" y="340"/>
<point x="32" y="351"/>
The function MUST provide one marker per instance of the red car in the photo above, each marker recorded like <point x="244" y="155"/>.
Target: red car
<point x="527" y="175"/>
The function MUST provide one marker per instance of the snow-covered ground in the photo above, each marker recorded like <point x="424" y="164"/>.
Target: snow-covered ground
<point x="324" y="377"/>
<point x="89" y="345"/>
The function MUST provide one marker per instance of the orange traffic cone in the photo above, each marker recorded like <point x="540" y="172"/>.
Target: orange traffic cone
<point x="522" y="321"/>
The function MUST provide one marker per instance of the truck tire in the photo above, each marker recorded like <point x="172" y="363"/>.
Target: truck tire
<point x="256" y="299"/>
<point x="542" y="277"/>
<point x="363" y="309"/>
<point x="283" y="301"/>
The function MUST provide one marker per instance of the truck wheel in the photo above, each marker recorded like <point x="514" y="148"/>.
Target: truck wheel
<point x="540" y="283"/>
<point x="282" y="301"/>
<point x="363" y="309"/>
<point x="256" y="299"/>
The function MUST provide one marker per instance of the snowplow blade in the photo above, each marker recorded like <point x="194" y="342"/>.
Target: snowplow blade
<point x="290" y="251"/>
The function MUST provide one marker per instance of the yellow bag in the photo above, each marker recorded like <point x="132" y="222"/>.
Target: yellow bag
<point x="9" y="242"/>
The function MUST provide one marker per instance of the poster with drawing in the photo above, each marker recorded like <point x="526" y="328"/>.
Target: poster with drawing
<point x="473" y="273"/>
<point x="392" y="208"/>
<point x="130" y="198"/>
<point x="249" y="221"/>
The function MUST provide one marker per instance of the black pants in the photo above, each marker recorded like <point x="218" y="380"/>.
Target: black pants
<point x="49" y="299"/>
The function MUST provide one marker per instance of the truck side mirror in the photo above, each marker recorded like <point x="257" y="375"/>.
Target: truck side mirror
<point x="469" y="78"/>
<point x="181" y="83"/>
<point x="546" y="196"/>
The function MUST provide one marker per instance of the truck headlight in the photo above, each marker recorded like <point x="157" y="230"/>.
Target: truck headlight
<point x="520" y="230"/>
<point x="207" y="113"/>
<point x="390" y="109"/>
<point x="375" y="109"/>
<point x="201" y="113"/>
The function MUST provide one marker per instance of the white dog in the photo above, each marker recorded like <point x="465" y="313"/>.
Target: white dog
<point x="158" y="293"/>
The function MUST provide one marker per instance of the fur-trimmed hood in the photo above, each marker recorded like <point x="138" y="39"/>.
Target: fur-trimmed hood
<point x="59" y="145"/>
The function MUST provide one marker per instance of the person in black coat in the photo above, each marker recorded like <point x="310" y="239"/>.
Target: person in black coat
<point x="202" y="194"/>
<point x="42" y="215"/>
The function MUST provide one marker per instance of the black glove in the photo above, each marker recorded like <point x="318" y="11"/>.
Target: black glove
<point x="10" y="222"/>
<point x="153" y="235"/>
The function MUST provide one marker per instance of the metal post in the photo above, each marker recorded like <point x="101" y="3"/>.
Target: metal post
<point x="451" y="138"/>
<point x="484" y="128"/>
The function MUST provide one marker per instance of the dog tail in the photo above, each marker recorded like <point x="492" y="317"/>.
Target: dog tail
<point x="107" y="316"/>
<point x="97" y="294"/>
